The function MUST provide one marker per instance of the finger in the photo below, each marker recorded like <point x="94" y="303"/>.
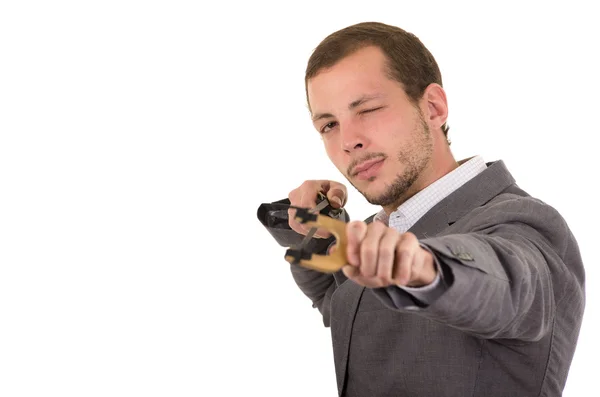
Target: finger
<point x="309" y="200"/>
<point x="308" y="196"/>
<point x="424" y="269"/>
<point x="369" y="249"/>
<point x="322" y="233"/>
<point x="350" y="271"/>
<point x="337" y="196"/>
<point x="387" y="255"/>
<point x="295" y="197"/>
<point x="403" y="263"/>
<point x="336" y="193"/>
<point x="355" y="233"/>
<point x="305" y="196"/>
<point x="294" y="224"/>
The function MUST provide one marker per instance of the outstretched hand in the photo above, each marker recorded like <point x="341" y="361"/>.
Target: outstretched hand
<point x="379" y="256"/>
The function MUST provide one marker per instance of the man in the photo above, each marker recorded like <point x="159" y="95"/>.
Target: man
<point x="463" y="284"/>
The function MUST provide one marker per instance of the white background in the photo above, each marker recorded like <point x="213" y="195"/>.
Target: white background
<point x="137" y="140"/>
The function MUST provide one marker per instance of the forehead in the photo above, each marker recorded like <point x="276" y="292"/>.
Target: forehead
<point x="363" y="72"/>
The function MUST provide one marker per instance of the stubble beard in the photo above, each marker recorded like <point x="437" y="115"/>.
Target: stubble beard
<point x="414" y="158"/>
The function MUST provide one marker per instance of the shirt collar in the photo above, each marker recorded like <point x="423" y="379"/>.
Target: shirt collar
<point x="407" y="214"/>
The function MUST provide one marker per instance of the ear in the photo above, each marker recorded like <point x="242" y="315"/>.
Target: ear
<point x="434" y="98"/>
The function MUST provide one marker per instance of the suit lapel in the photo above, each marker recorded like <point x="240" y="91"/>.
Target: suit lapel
<point x="475" y="193"/>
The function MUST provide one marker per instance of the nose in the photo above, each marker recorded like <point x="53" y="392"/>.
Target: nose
<point x="352" y="138"/>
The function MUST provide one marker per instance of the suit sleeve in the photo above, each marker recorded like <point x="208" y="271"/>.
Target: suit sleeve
<point x="503" y="278"/>
<point x="317" y="286"/>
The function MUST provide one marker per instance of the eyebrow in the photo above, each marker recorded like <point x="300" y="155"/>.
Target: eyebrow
<point x="353" y="105"/>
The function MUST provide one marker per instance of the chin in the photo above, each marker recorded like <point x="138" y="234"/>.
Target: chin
<point x="372" y="189"/>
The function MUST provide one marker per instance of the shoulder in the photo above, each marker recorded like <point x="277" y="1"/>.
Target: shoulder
<point x="529" y="216"/>
<point x="522" y="207"/>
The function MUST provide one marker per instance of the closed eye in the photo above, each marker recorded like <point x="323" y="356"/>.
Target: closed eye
<point x="370" y="110"/>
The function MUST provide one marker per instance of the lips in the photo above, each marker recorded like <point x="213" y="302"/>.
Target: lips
<point x="367" y="168"/>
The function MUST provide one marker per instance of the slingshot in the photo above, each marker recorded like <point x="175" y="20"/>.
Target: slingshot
<point x="330" y="263"/>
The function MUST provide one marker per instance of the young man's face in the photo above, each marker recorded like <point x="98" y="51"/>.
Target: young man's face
<point x="372" y="132"/>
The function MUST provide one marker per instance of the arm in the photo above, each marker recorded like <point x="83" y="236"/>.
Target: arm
<point x="504" y="277"/>
<point x="317" y="286"/>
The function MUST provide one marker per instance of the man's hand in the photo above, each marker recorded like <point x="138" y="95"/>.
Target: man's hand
<point x="305" y="196"/>
<point x="379" y="256"/>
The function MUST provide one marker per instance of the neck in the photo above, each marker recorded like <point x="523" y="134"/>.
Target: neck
<point x="442" y="162"/>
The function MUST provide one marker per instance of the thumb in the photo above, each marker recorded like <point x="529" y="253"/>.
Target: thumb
<point x="355" y="234"/>
<point x="336" y="196"/>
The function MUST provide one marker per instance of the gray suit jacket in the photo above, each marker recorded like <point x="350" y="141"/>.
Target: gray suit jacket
<point x="507" y="325"/>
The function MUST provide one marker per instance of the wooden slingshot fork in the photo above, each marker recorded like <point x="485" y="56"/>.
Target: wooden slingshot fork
<point x="330" y="263"/>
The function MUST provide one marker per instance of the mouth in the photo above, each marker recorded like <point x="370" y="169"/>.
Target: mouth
<point x="367" y="169"/>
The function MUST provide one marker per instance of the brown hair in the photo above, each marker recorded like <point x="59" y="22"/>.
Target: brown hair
<point x="409" y="61"/>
